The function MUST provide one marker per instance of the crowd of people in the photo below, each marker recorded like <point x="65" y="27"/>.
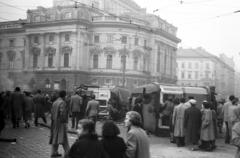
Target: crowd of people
<point x="19" y="106"/>
<point x="189" y="125"/>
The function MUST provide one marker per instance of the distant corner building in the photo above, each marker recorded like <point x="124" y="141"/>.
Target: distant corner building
<point x="99" y="42"/>
<point x="197" y="67"/>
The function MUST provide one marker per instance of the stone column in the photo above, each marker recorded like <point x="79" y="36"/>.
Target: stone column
<point x="28" y="53"/>
<point x="58" y="53"/>
<point x="42" y="55"/>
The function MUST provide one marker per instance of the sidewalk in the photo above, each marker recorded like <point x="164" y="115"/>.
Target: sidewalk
<point x="34" y="143"/>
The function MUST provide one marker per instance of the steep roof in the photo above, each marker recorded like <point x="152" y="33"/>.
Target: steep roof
<point x="194" y="53"/>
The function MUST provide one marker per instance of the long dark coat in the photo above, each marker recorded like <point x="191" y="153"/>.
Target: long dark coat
<point x="192" y="124"/>
<point x="87" y="146"/>
<point x="39" y="105"/>
<point x="59" y="122"/>
<point x="17" y="104"/>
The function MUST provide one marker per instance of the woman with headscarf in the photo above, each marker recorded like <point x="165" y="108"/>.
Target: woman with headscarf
<point x="236" y="130"/>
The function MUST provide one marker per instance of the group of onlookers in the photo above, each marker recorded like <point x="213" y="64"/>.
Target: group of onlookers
<point x="88" y="144"/>
<point x="190" y="124"/>
<point x="20" y="105"/>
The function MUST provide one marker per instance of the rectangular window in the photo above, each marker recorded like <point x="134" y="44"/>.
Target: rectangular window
<point x="11" y="43"/>
<point x="189" y="74"/>
<point x="36" y="40"/>
<point x="109" y="62"/>
<point x="95" y="61"/>
<point x="136" y="41"/>
<point x="183" y="65"/>
<point x="67" y="37"/>
<point x="135" y="64"/>
<point x="96" y="39"/>
<point x="145" y="43"/>
<point x="109" y="38"/>
<point x="51" y="38"/>
<point x="196" y="65"/>
<point x="196" y="75"/>
<point x="50" y="60"/>
<point x="207" y="66"/>
<point x="66" y="60"/>
<point x="189" y="65"/>
<point x="182" y="74"/>
<point x="35" y="61"/>
<point x="0" y="43"/>
<point x="124" y="39"/>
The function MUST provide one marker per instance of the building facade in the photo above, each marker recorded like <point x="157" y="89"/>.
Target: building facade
<point x="100" y="42"/>
<point x="197" y="67"/>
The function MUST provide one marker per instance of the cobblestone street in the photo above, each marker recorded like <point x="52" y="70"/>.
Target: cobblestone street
<point x="33" y="143"/>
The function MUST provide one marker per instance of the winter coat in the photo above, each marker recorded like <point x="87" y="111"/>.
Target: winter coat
<point x="39" y="105"/>
<point x="236" y="138"/>
<point x="207" y="127"/>
<point x="192" y="124"/>
<point x="92" y="108"/>
<point x="28" y="108"/>
<point x="75" y="103"/>
<point x="137" y="143"/>
<point x="178" y="120"/>
<point x="17" y="104"/>
<point x="59" y="117"/>
<point x="87" y="146"/>
<point x="115" y="147"/>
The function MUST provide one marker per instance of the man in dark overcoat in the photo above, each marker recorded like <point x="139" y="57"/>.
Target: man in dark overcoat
<point x="17" y="104"/>
<point x="39" y="103"/>
<point x="192" y="124"/>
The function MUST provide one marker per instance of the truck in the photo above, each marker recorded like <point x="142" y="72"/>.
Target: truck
<point x="154" y="96"/>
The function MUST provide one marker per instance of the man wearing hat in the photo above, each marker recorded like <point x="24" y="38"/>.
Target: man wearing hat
<point x="192" y="124"/>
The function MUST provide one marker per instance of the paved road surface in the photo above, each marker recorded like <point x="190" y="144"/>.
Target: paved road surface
<point x="33" y="143"/>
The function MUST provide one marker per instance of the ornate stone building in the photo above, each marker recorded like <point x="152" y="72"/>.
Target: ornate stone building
<point x="197" y="67"/>
<point x="111" y="42"/>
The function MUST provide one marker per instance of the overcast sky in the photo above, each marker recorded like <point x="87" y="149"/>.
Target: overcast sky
<point x="211" y="24"/>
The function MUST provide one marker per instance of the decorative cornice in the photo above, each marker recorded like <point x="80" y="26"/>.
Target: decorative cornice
<point x="11" y="55"/>
<point x="50" y="50"/>
<point x="35" y="51"/>
<point x="109" y="50"/>
<point x="66" y="50"/>
<point x="96" y="50"/>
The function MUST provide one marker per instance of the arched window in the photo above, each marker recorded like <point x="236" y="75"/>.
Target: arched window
<point x="35" y="60"/>
<point x="135" y="63"/>
<point x="109" y="62"/>
<point x="50" y="60"/>
<point x="95" y="61"/>
<point x="63" y="84"/>
<point x="66" y="60"/>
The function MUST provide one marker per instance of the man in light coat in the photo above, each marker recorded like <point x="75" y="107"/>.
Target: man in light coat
<point x="59" y="125"/>
<point x="137" y="139"/>
<point x="178" y="123"/>
<point x="75" y="109"/>
<point x="92" y="109"/>
<point x="226" y="118"/>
